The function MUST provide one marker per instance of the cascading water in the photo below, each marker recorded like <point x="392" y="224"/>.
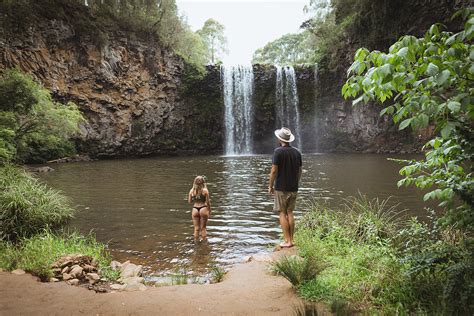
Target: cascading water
<point x="287" y="110"/>
<point x="238" y="91"/>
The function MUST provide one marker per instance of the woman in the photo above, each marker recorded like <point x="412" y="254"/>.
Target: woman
<point x="199" y="197"/>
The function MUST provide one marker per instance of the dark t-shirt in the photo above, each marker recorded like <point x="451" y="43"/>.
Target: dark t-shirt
<point x="288" y="160"/>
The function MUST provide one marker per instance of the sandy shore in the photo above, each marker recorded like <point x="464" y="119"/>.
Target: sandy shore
<point x="248" y="289"/>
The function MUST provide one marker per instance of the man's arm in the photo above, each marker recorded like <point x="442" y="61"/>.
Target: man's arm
<point x="273" y="174"/>
<point x="299" y="174"/>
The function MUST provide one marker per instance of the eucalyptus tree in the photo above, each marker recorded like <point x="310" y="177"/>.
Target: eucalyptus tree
<point x="212" y="34"/>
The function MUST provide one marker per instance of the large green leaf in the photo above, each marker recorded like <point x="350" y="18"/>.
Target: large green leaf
<point x="432" y="69"/>
<point x="404" y="124"/>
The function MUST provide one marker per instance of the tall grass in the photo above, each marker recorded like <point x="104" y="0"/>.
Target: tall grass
<point x="36" y="254"/>
<point x="27" y="206"/>
<point x="362" y="267"/>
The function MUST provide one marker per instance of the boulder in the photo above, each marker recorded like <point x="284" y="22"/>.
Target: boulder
<point x="67" y="276"/>
<point x="42" y="169"/>
<point x="76" y="271"/>
<point x="53" y="280"/>
<point x="89" y="268"/>
<point x="134" y="287"/>
<point x="93" y="278"/>
<point x="129" y="270"/>
<point x="115" y="265"/>
<point x="18" y="271"/>
<point x="73" y="282"/>
<point x="117" y="287"/>
<point x="132" y="280"/>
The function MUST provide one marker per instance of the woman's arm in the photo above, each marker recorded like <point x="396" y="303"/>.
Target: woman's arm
<point x="208" y="201"/>
<point x="190" y="200"/>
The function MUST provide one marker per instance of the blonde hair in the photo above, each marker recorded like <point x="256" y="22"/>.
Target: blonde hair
<point x="198" y="185"/>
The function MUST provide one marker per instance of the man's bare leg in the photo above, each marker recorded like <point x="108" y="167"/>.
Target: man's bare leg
<point x="285" y="227"/>
<point x="291" y="223"/>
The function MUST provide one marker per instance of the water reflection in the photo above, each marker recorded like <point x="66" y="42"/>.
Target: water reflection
<point x="139" y="207"/>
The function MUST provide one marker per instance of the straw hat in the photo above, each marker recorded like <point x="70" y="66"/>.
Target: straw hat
<point x="284" y="134"/>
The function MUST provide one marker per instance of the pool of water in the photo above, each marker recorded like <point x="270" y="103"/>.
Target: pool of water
<point x="139" y="207"/>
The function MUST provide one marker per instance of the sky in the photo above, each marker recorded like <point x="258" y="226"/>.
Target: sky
<point x="249" y="24"/>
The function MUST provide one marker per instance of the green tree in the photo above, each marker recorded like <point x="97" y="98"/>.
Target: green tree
<point x="289" y="49"/>
<point x="212" y="34"/>
<point x="33" y="128"/>
<point x="428" y="81"/>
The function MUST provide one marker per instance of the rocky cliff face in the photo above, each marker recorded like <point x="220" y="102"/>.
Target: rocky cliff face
<point x="138" y="99"/>
<point x="328" y="122"/>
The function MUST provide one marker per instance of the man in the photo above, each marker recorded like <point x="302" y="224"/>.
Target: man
<point x="284" y="179"/>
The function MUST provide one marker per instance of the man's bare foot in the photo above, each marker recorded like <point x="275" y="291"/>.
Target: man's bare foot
<point x="286" y="245"/>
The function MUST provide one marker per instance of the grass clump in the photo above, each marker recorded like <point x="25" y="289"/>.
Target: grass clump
<point x="298" y="270"/>
<point x="27" y="206"/>
<point x="217" y="274"/>
<point x="38" y="253"/>
<point x="179" y="277"/>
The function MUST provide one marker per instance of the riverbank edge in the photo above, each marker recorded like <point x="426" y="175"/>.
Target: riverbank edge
<point x="247" y="289"/>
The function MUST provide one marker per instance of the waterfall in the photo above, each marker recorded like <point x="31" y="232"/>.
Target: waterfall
<point x="238" y="91"/>
<point x="287" y="104"/>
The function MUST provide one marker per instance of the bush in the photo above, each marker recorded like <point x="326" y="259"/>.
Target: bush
<point x="28" y="206"/>
<point x="440" y="267"/>
<point x="36" y="254"/>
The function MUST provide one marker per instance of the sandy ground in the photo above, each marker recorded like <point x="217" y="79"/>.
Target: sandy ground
<point x="248" y="289"/>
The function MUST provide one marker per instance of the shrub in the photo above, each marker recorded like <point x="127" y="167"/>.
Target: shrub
<point x="28" y="206"/>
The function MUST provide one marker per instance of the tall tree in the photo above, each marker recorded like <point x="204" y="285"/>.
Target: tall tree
<point x="212" y="34"/>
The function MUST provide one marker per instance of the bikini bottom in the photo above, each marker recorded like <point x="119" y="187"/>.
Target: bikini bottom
<point x="198" y="208"/>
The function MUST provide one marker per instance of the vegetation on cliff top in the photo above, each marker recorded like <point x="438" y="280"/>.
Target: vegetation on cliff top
<point x="155" y="21"/>
<point x="338" y="27"/>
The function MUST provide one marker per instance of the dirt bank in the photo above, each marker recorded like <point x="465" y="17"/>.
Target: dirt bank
<point x="248" y="289"/>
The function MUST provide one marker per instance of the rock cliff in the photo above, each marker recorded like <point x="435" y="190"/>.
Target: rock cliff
<point x="138" y="99"/>
<point x="328" y="122"/>
<point x="141" y="99"/>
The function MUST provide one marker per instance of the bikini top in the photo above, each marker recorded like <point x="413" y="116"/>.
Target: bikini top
<point x="198" y="198"/>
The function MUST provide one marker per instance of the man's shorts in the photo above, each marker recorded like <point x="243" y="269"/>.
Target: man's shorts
<point x="285" y="201"/>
